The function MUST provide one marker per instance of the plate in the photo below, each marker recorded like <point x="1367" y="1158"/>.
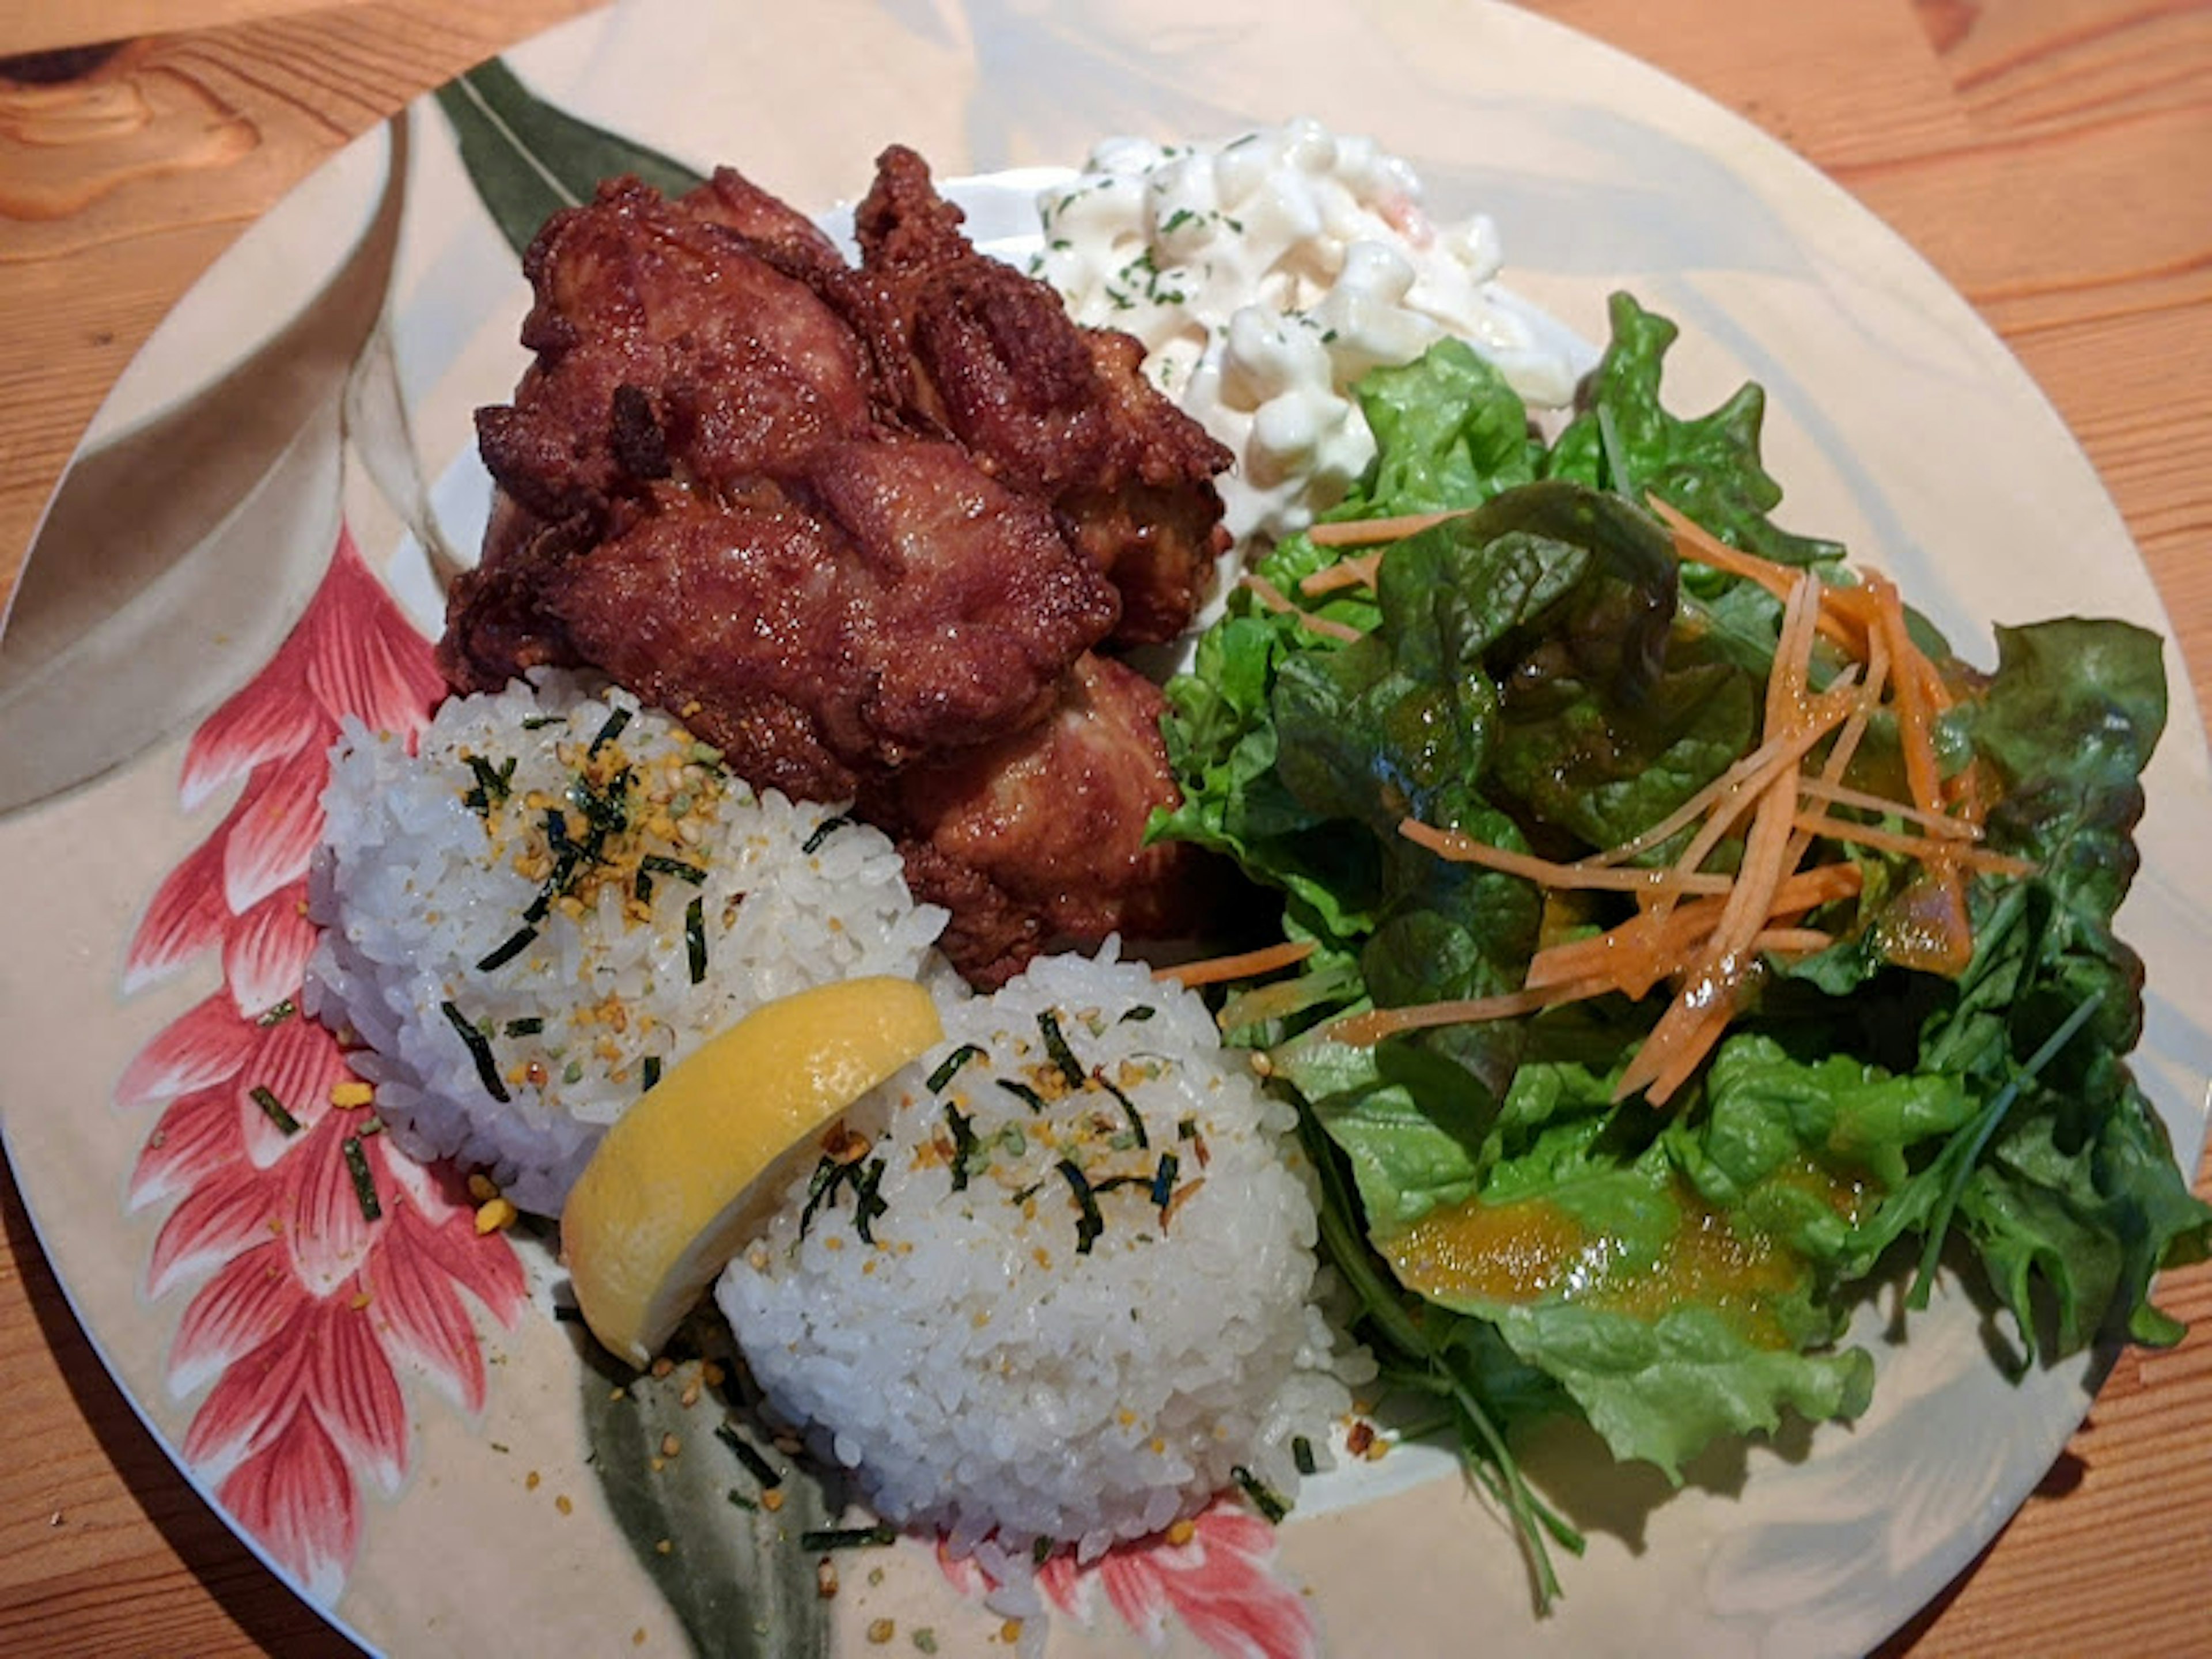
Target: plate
<point x="386" y="1410"/>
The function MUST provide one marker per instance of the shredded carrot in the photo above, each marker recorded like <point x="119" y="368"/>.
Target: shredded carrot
<point x="1698" y="545"/>
<point x="1792" y="941"/>
<point x="1647" y="947"/>
<point x="1274" y="598"/>
<point x="1360" y="572"/>
<point x="1370" y="533"/>
<point x="1465" y="849"/>
<point x="1694" y="1021"/>
<point x="1948" y="944"/>
<point x="1365" y="1031"/>
<point x="1244" y="964"/>
<point x="1935" y="824"/>
<point x="1741" y="783"/>
<point x="1829" y="710"/>
<point x="1928" y="850"/>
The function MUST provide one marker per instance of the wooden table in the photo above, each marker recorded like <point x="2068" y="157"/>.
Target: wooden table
<point x="2048" y="156"/>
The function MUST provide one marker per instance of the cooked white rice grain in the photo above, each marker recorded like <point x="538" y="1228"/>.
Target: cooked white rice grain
<point x="999" y="1358"/>
<point x="436" y="863"/>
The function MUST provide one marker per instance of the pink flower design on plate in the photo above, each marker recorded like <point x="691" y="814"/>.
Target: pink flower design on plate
<point x="1220" y="1580"/>
<point x="307" y="1310"/>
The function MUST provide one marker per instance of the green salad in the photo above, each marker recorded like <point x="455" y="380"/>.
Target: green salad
<point x="1684" y="937"/>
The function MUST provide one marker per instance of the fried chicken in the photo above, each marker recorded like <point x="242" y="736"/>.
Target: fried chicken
<point x="1054" y="410"/>
<point x="861" y="529"/>
<point x="699" y="501"/>
<point x="1037" y="842"/>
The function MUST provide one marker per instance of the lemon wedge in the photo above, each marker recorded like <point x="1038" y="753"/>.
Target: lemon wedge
<point x="671" y="1193"/>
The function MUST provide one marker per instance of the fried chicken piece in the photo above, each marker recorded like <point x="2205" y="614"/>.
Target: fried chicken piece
<point x="698" y="498"/>
<point x="668" y="346"/>
<point x="885" y="604"/>
<point x="1055" y="410"/>
<point x="1035" y="842"/>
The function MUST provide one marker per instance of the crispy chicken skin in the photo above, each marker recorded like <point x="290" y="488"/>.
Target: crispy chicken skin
<point x="861" y="528"/>
<point x="1037" y="842"/>
<point x="1056" y="411"/>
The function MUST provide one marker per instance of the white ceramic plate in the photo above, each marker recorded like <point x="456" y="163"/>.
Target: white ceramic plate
<point x="386" y="1409"/>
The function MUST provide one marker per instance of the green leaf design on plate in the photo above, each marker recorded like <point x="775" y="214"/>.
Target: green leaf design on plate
<point x="528" y="158"/>
<point x="735" y="1576"/>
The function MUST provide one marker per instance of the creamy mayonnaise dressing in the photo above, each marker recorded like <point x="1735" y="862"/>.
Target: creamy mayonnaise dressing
<point x="1265" y="276"/>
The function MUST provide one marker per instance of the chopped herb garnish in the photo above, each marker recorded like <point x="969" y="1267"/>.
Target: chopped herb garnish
<point x="607" y="810"/>
<point x="705" y="754"/>
<point x="947" y="1067"/>
<point x="694" y="937"/>
<point x="611" y="731"/>
<point x="539" y="722"/>
<point x="572" y="1071"/>
<point x="1164" y="1179"/>
<point x="492" y="788"/>
<point x="1302" y="1457"/>
<point x="660" y="865"/>
<point x="963" y="1145"/>
<point x="530" y="1026"/>
<point x="364" y="1184"/>
<point x="1041" y="1552"/>
<point x="273" y="1110"/>
<point x="823" y="831"/>
<point x="1140" y="1014"/>
<point x="1090" y="1224"/>
<point x="1129" y="1111"/>
<point x="1257" y="1494"/>
<point x="756" y="1466"/>
<point x="278" y="1014"/>
<point x="479" y="1051"/>
<point x="848" y="1538"/>
<point x="1056" y="1046"/>
<point x="821" y="1188"/>
<point x="1022" y="1091"/>
<point x="867" y="1203"/>
<point x="517" y="942"/>
<point x="649" y="1070"/>
<point x="1012" y="1137"/>
<point x="1187" y="1129"/>
<point x="738" y="1500"/>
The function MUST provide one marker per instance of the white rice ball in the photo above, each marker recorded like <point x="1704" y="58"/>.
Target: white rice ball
<point x="557" y="895"/>
<point x="1064" y="1295"/>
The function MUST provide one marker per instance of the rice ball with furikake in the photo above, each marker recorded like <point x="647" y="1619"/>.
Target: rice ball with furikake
<point x="1052" y="1282"/>
<point x="558" y="894"/>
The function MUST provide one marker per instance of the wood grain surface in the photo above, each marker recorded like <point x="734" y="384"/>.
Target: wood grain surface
<point x="2049" y="156"/>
